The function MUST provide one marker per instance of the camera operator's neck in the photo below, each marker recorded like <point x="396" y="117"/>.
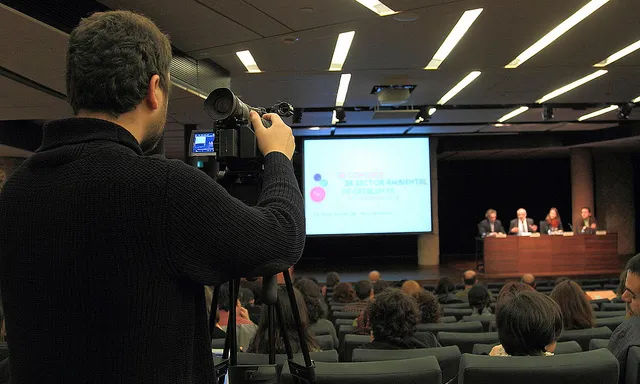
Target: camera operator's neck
<point x="129" y="121"/>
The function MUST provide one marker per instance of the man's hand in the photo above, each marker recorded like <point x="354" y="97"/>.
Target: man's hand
<point x="534" y="227"/>
<point x="242" y="312"/>
<point x="277" y="138"/>
<point x="514" y="230"/>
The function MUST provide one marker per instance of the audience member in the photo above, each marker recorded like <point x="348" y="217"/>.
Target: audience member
<point x="364" y="292"/>
<point x="512" y="288"/>
<point x="394" y="317"/>
<point x="247" y="300"/>
<point x="574" y="305"/>
<point x="529" y="324"/>
<point x="445" y="291"/>
<point x="374" y="276"/>
<point x="245" y="328"/>
<point x="260" y="343"/>
<point x="331" y="281"/>
<point x="470" y="279"/>
<point x="410" y="287"/>
<point x="316" y="309"/>
<point x="380" y="286"/>
<point x="560" y="280"/>
<point x="628" y="333"/>
<point x="218" y="332"/>
<point x="529" y="279"/>
<point x="479" y="300"/>
<point x="622" y="284"/>
<point x="344" y="293"/>
<point x="430" y="311"/>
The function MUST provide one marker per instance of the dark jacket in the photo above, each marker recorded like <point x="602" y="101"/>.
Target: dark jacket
<point x="580" y="223"/>
<point x="514" y="224"/>
<point x="544" y="227"/>
<point x="624" y="337"/>
<point x="484" y="227"/>
<point x="104" y="252"/>
<point x="417" y="341"/>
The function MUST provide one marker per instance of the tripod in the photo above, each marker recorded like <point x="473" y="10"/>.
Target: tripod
<point x="229" y="362"/>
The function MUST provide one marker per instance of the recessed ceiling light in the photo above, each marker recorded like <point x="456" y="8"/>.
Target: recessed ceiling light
<point x="314" y="128"/>
<point x="307" y="10"/>
<point x="619" y="55"/>
<point x="432" y="111"/>
<point x="342" y="49"/>
<point x="636" y="100"/>
<point x="248" y="61"/>
<point x="406" y="16"/>
<point x="598" y="113"/>
<point x="459" y="87"/>
<point x="558" y="31"/>
<point x="342" y="89"/>
<point x="377" y="7"/>
<point x="571" y="86"/>
<point x="458" y="31"/>
<point x="513" y="114"/>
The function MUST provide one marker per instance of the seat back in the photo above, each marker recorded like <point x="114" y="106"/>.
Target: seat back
<point x="352" y="342"/>
<point x="325" y="342"/>
<point x="603" y="314"/>
<point x="411" y="371"/>
<point x="632" y="371"/>
<point x="262" y="359"/>
<point x="466" y="341"/>
<point x="459" y="313"/>
<point x="584" y="336"/>
<point x="455" y="305"/>
<point x="448" y="357"/>
<point x="613" y="307"/>
<point x="484" y="319"/>
<point x="435" y="328"/>
<point x="598" y="343"/>
<point x="340" y="322"/>
<point x="346" y="315"/>
<point x="562" y="348"/>
<point x="448" y="319"/>
<point x="611" y="322"/>
<point x="593" y="367"/>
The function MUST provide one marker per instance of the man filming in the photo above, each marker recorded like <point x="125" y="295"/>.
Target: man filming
<point x="104" y="251"/>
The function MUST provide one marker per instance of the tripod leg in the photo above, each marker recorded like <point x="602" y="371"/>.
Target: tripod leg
<point x="232" y="338"/>
<point x="272" y="333"/>
<point x="283" y="331"/>
<point x="304" y="348"/>
<point x="214" y="308"/>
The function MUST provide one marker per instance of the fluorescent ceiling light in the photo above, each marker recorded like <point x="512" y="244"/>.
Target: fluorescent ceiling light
<point x="342" y="89"/>
<point x="558" y="31"/>
<point x="636" y="100"/>
<point x="512" y="114"/>
<point x="459" y="87"/>
<point x="619" y="55"/>
<point x="377" y="7"/>
<point x="432" y="111"/>
<point x="598" y="112"/>
<point x="463" y="25"/>
<point x="571" y="86"/>
<point x="314" y="128"/>
<point x="342" y="49"/>
<point x="248" y="61"/>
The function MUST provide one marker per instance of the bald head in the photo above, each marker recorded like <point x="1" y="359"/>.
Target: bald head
<point x="470" y="278"/>
<point x="374" y="276"/>
<point x="529" y="279"/>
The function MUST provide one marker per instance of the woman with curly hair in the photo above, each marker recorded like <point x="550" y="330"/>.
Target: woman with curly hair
<point x="344" y="293"/>
<point x="316" y="309"/>
<point x="394" y="317"/>
<point x="574" y="305"/>
<point x="429" y="307"/>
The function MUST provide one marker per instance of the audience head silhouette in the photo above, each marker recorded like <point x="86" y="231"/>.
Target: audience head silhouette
<point x="394" y="316"/>
<point x="410" y="287"/>
<point x="444" y="286"/>
<point x="344" y="293"/>
<point x="631" y="294"/>
<point x="529" y="279"/>
<point x="479" y="299"/>
<point x="574" y="305"/>
<point x="380" y="286"/>
<point x="312" y="298"/>
<point x="470" y="278"/>
<point x="332" y="279"/>
<point x="374" y="276"/>
<point x="429" y="307"/>
<point x="364" y="289"/>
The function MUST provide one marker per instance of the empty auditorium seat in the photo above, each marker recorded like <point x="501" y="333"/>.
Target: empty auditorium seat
<point x="352" y="342"/>
<point x="618" y="300"/>
<point x="342" y="332"/>
<point x="592" y="367"/>
<point x="448" y="319"/>
<point x="613" y="307"/>
<point x="330" y="356"/>
<point x="497" y="286"/>
<point x="459" y="313"/>
<point x="340" y="322"/>
<point x="583" y="336"/>
<point x="455" y="305"/>
<point x="601" y="314"/>
<point x="448" y="357"/>
<point x="600" y="301"/>
<point x="632" y="371"/>
<point x="469" y="327"/>
<point x="598" y="282"/>
<point x="336" y="307"/>
<point x="611" y="322"/>
<point x="598" y="343"/>
<point x="345" y="315"/>
<point x="325" y="342"/>
<point x="466" y="341"/>
<point x="484" y="319"/>
<point x="611" y="287"/>
<point x="592" y="287"/>
<point x="562" y="348"/>
<point x="409" y="371"/>
<point x="595" y="306"/>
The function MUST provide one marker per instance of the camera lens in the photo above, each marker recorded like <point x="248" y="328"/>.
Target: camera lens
<point x="223" y="105"/>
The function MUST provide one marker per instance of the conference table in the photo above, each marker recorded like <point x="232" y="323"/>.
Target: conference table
<point x="552" y="255"/>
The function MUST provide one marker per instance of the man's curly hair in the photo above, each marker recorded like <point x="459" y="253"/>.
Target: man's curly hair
<point x="394" y="315"/>
<point x="429" y="307"/>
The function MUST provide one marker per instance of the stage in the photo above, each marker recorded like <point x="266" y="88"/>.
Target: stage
<point x="406" y="268"/>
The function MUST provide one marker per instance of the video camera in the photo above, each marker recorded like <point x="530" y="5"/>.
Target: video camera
<point x="233" y="136"/>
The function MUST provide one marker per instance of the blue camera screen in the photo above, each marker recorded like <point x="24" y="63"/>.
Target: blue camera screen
<point x="203" y="142"/>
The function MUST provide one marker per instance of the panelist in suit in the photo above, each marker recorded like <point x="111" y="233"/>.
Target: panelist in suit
<point x="552" y="223"/>
<point x="588" y="224"/>
<point x="490" y="226"/>
<point x="522" y="224"/>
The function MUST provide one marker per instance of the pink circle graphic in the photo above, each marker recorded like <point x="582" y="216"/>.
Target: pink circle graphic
<point x="318" y="194"/>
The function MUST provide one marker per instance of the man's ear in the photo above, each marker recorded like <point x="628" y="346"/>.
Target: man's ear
<point x="154" y="92"/>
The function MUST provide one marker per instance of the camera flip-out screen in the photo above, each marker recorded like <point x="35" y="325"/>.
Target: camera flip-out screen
<point x="202" y="143"/>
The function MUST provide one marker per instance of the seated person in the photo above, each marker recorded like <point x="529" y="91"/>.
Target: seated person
<point x="394" y="317"/>
<point x="331" y="281"/>
<point x="522" y="224"/>
<point x="470" y="279"/>
<point x="445" y="291"/>
<point x="574" y="305"/>
<point x="529" y="324"/>
<point x="588" y="224"/>
<point x="374" y="276"/>
<point x="245" y="328"/>
<point x="260" y="342"/>
<point x="490" y="226"/>
<point x="513" y="287"/>
<point x="364" y="292"/>
<point x="529" y="279"/>
<point x="410" y="287"/>
<point x="430" y="311"/>
<point x="344" y="293"/>
<point x="479" y="300"/>
<point x="552" y="223"/>
<point x="316" y="309"/>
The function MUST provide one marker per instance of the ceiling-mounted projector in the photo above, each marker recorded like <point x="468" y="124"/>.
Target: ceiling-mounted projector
<point x="392" y="95"/>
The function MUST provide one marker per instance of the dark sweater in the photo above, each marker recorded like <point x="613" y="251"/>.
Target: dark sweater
<point x="627" y="335"/>
<point x="104" y="253"/>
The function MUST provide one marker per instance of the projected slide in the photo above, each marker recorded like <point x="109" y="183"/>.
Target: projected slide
<point x="367" y="186"/>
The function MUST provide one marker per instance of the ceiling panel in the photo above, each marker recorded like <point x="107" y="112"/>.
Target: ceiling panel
<point x="370" y="131"/>
<point x="19" y="102"/>
<point x="426" y="129"/>
<point x="308" y="132"/>
<point x="247" y="15"/>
